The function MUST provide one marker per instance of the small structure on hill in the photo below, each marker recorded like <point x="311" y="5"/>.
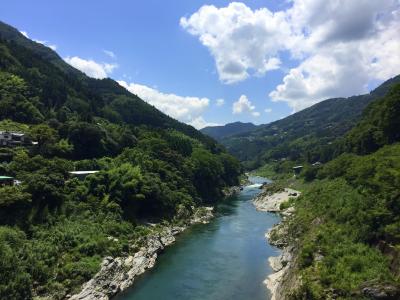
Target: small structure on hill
<point x="6" y="180"/>
<point x="81" y="175"/>
<point x="297" y="169"/>
<point x="13" y="139"/>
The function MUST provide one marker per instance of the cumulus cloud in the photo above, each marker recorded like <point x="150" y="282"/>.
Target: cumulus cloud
<point x="183" y="108"/>
<point x="244" y="105"/>
<point x="242" y="41"/>
<point x="219" y="102"/>
<point x="339" y="46"/>
<point x="347" y="45"/>
<point x="268" y="110"/>
<point x="90" y="67"/>
<point x="200" y="123"/>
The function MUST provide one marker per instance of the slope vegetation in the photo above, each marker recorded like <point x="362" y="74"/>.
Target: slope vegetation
<point x="346" y="228"/>
<point x="54" y="228"/>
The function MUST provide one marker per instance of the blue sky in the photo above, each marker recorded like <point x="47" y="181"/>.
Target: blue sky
<point x="166" y="59"/>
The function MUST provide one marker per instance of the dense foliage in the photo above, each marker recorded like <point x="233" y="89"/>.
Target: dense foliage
<point x="348" y="222"/>
<point x="54" y="228"/>
<point x="379" y="126"/>
<point x="346" y="228"/>
<point x="224" y="131"/>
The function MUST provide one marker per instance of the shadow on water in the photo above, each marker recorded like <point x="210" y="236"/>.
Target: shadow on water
<point x="225" y="259"/>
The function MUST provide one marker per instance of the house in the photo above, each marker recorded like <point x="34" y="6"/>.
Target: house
<point x="6" y="180"/>
<point x="81" y="175"/>
<point x="11" y="138"/>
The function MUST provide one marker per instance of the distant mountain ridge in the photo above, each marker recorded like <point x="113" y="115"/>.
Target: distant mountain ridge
<point x="304" y="133"/>
<point x="223" y="131"/>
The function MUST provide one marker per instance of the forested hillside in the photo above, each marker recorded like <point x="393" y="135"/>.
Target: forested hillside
<point x="221" y="132"/>
<point x="305" y="136"/>
<point x="346" y="229"/>
<point x="54" y="228"/>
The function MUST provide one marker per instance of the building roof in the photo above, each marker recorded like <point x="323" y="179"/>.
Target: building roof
<point x="12" y="132"/>
<point x="83" y="172"/>
<point x="6" y="178"/>
<point x="297" y="167"/>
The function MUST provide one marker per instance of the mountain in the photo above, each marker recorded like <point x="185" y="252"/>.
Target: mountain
<point x="71" y="90"/>
<point x="56" y="228"/>
<point x="306" y="135"/>
<point x="9" y="33"/>
<point x="220" y="132"/>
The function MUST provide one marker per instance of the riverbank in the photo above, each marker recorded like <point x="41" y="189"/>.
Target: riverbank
<point x="278" y="202"/>
<point x="119" y="273"/>
<point x="222" y="260"/>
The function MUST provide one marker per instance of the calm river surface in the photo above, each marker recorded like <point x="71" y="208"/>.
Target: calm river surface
<point x="225" y="259"/>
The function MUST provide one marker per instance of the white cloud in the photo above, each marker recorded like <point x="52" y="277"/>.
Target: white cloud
<point x="244" y="105"/>
<point x="242" y="41"/>
<point x="268" y="110"/>
<point x="219" y="102"/>
<point x="25" y="34"/>
<point x="185" y="109"/>
<point x="200" y="123"/>
<point x="340" y="46"/>
<point x="347" y="44"/>
<point x="46" y="43"/>
<point x="109" y="54"/>
<point x="90" y="67"/>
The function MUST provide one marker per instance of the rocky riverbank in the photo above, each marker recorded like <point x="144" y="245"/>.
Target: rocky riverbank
<point x="119" y="273"/>
<point x="278" y="202"/>
<point x="233" y="190"/>
<point x="271" y="202"/>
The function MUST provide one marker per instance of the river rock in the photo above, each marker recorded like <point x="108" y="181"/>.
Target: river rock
<point x="383" y="292"/>
<point x="230" y="191"/>
<point x="203" y="215"/>
<point x="118" y="274"/>
<point x="278" y="237"/>
<point x="272" y="202"/>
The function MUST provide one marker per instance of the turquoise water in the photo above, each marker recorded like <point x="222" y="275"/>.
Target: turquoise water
<point x="225" y="259"/>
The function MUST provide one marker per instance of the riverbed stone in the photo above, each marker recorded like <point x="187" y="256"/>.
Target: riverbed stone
<point x="118" y="274"/>
<point x="272" y="202"/>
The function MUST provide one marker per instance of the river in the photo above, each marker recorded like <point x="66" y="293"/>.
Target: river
<point x="225" y="259"/>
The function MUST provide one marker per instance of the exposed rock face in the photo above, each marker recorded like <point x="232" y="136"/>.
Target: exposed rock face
<point x="118" y="274"/>
<point x="272" y="202"/>
<point x="385" y="292"/>
<point x="202" y="215"/>
<point x="232" y="191"/>
<point x="280" y="264"/>
<point x="277" y="236"/>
